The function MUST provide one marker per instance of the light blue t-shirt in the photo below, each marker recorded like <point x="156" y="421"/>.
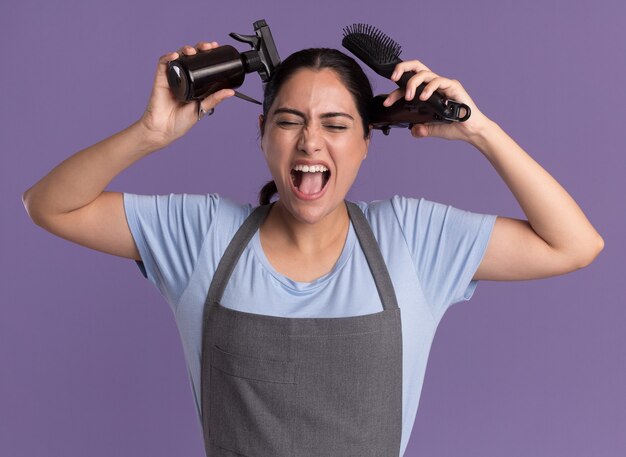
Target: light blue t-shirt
<point x="431" y="250"/>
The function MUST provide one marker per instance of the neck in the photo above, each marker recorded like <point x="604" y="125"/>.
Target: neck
<point x="304" y="237"/>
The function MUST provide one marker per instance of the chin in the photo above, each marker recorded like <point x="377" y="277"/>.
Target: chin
<point x="309" y="212"/>
<point x="306" y="213"/>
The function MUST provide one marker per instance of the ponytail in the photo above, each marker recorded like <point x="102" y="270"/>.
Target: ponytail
<point x="267" y="192"/>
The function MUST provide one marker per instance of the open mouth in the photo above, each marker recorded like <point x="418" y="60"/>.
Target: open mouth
<point x="310" y="179"/>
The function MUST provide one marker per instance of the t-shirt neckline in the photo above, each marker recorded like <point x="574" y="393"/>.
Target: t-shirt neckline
<point x="305" y="286"/>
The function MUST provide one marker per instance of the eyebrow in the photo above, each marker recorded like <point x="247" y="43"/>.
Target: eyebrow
<point x="301" y="114"/>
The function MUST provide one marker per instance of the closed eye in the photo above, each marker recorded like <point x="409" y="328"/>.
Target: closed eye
<point x="292" y="124"/>
<point x="288" y="123"/>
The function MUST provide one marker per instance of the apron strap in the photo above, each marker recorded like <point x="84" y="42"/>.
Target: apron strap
<point x="233" y="252"/>
<point x="253" y="222"/>
<point x="374" y="257"/>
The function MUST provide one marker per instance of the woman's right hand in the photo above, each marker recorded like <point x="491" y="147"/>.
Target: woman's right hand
<point x="165" y="118"/>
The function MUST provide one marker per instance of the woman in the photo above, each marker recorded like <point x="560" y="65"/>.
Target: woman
<point x="314" y="334"/>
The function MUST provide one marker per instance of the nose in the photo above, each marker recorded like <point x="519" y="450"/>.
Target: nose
<point x="311" y="140"/>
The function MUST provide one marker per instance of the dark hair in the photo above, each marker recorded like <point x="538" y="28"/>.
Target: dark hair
<point x="350" y="73"/>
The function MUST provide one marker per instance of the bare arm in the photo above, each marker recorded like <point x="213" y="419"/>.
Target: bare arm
<point x="71" y="201"/>
<point x="557" y="238"/>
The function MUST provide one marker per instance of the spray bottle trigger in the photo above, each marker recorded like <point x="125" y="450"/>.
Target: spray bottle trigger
<point x="252" y="40"/>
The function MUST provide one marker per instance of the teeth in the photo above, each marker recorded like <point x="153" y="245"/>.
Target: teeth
<point x="310" y="168"/>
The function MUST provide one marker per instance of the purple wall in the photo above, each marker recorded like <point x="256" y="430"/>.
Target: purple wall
<point x="91" y="363"/>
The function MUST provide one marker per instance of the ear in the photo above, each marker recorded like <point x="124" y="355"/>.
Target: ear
<point x="261" y="122"/>
<point x="367" y="141"/>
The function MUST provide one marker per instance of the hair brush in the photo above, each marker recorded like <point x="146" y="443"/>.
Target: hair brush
<point x="382" y="54"/>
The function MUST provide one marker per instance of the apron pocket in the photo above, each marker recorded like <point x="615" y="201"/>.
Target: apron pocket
<point x="253" y="369"/>
<point x="251" y="401"/>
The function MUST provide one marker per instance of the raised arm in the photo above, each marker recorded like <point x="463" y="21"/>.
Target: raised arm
<point x="557" y="238"/>
<point x="70" y="201"/>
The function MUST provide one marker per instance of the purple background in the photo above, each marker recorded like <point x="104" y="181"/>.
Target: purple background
<point x="91" y="362"/>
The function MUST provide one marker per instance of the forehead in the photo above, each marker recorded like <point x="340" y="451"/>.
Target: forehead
<point x="315" y="91"/>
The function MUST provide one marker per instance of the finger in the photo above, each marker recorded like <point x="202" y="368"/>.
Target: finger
<point x="206" y="45"/>
<point x="437" y="83"/>
<point x="420" y="77"/>
<point x="216" y="98"/>
<point x="187" y="50"/>
<point x="164" y="59"/>
<point x="420" y="130"/>
<point x="160" y="78"/>
<point x="408" y="65"/>
<point x="393" y="97"/>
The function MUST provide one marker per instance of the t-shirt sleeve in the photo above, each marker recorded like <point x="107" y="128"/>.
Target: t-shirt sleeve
<point x="169" y="231"/>
<point x="447" y="245"/>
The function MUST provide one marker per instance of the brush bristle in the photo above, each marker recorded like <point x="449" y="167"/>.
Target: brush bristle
<point x="372" y="42"/>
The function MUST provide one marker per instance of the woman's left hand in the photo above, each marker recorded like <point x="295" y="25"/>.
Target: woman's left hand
<point x="450" y="88"/>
